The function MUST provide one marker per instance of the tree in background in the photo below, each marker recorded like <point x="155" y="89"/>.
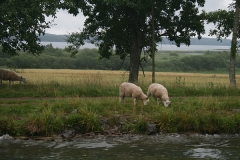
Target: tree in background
<point x="126" y="26"/>
<point x="234" y="45"/>
<point x="22" y="21"/>
<point x="227" y="23"/>
<point x="153" y="42"/>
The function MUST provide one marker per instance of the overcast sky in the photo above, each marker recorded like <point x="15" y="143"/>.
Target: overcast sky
<point x="66" y="23"/>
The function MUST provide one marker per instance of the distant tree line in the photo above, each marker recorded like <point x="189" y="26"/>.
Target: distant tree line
<point x="55" y="58"/>
<point x="195" y="63"/>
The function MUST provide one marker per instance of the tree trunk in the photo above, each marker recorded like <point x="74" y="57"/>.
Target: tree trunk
<point x="153" y="45"/>
<point x="232" y="72"/>
<point x="135" y="50"/>
<point x="135" y="56"/>
<point x="234" y="47"/>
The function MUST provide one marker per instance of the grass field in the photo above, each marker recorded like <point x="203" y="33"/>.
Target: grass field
<point x="202" y="103"/>
<point x="67" y="76"/>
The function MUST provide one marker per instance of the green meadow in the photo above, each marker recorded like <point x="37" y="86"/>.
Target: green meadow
<point x="57" y="99"/>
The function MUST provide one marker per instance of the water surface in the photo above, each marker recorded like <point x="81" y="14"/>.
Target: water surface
<point x="165" y="146"/>
<point x="165" y="47"/>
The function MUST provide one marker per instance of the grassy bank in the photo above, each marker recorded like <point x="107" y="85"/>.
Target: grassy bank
<point x="87" y="101"/>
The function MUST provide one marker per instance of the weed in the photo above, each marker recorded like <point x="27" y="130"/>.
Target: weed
<point x="141" y="124"/>
<point x="84" y="120"/>
<point x="44" y="123"/>
<point x="6" y="126"/>
<point x="179" y="81"/>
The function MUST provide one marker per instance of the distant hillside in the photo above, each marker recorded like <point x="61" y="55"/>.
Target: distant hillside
<point x="194" y="41"/>
<point x="53" y="38"/>
<point x="210" y="41"/>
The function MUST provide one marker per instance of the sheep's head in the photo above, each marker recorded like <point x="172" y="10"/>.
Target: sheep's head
<point x="24" y="80"/>
<point x="145" y="101"/>
<point x="166" y="103"/>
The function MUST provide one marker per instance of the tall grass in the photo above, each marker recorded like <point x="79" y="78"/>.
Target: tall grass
<point x="201" y="103"/>
<point x="64" y="83"/>
<point x="189" y="114"/>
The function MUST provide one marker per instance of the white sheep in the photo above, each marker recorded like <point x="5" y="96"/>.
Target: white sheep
<point x="127" y="89"/>
<point x="10" y="76"/>
<point x="159" y="92"/>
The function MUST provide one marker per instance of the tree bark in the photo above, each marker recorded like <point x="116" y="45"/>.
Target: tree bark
<point x="135" y="56"/>
<point x="232" y="76"/>
<point x="153" y="44"/>
<point x="135" y="50"/>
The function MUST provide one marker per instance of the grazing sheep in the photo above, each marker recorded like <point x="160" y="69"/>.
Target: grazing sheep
<point x="131" y="90"/>
<point x="10" y="76"/>
<point x="159" y="92"/>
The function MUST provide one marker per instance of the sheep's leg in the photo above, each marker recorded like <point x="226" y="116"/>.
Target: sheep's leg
<point x="121" y="100"/>
<point x="158" y="101"/>
<point x="135" y="101"/>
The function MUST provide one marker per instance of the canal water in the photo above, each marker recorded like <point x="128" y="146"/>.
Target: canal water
<point x="154" y="147"/>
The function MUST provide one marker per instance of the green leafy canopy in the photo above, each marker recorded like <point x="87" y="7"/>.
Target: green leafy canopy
<point x="126" y="26"/>
<point x="113" y="23"/>
<point x="22" y="21"/>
